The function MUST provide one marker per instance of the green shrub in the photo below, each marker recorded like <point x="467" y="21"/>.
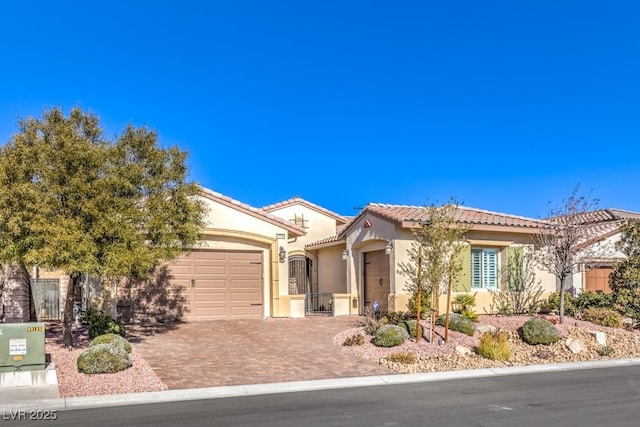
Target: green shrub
<point x="410" y="326"/>
<point x="539" y="331"/>
<point x="395" y="317"/>
<point x="405" y="358"/>
<point x="553" y="303"/>
<point x="101" y="323"/>
<point x="111" y="338"/>
<point x="103" y="359"/>
<point x="494" y="346"/>
<point x="458" y="323"/>
<point x="603" y="317"/>
<point x="425" y="306"/>
<point x="357" y="339"/>
<point x="463" y="304"/>
<point x="390" y="336"/>
<point x="605" y="351"/>
<point x="596" y="299"/>
<point x="470" y="314"/>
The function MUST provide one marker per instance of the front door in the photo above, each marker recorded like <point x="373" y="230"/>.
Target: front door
<point x="377" y="283"/>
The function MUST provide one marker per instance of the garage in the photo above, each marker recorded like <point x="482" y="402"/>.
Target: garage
<point x="597" y="279"/>
<point x="376" y="280"/>
<point x="220" y="284"/>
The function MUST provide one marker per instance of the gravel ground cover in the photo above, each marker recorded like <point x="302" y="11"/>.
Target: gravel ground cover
<point x="438" y="358"/>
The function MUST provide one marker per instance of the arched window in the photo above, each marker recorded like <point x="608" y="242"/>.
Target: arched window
<point x="299" y="274"/>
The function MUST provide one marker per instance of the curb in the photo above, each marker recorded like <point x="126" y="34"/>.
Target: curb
<point x="90" y="402"/>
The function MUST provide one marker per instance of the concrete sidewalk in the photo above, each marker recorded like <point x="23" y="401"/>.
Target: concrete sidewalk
<point x="24" y="386"/>
<point x="34" y="401"/>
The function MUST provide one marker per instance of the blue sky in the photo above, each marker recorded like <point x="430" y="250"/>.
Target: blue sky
<point x="504" y="105"/>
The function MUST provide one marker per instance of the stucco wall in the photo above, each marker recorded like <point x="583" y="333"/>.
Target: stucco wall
<point x="332" y="270"/>
<point x="361" y="239"/>
<point x="317" y="225"/>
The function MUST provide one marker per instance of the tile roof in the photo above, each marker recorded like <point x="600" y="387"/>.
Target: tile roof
<point x="326" y="241"/>
<point x="255" y="212"/>
<point x="604" y="215"/>
<point x="602" y="223"/>
<point x="331" y="239"/>
<point x="400" y="213"/>
<point x="301" y="201"/>
<point x="599" y="231"/>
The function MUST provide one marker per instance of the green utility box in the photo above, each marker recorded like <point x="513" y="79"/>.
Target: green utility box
<point x="21" y="346"/>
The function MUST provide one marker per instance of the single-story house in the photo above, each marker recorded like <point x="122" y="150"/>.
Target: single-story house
<point x="377" y="240"/>
<point x="602" y="228"/>
<point x="295" y="258"/>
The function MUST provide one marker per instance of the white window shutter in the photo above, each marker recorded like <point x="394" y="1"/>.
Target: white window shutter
<point x="490" y="269"/>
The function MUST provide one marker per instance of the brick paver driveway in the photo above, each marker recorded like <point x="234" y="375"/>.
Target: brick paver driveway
<point x="233" y="352"/>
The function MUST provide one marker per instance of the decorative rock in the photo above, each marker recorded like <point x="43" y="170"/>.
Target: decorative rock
<point x="463" y="351"/>
<point x="486" y="328"/>
<point x="628" y="322"/>
<point x="600" y="337"/>
<point x="574" y="345"/>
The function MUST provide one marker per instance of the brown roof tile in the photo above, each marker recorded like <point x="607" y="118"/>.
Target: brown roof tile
<point x="400" y="213"/>
<point x="603" y="215"/>
<point x="326" y="241"/>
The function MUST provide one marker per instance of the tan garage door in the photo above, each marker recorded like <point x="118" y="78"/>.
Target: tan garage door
<point x="377" y="284"/>
<point x="598" y="280"/>
<point x="221" y="284"/>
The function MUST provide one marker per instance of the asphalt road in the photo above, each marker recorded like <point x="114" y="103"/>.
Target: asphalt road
<point x="595" y="397"/>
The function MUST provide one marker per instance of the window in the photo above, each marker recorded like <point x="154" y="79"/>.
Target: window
<point x="484" y="268"/>
<point x="299" y="274"/>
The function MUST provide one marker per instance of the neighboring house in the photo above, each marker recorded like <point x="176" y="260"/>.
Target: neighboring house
<point x="374" y="242"/>
<point x="602" y="228"/>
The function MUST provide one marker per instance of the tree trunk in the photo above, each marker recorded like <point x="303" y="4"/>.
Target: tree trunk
<point x="68" y="315"/>
<point x="419" y="296"/>
<point x="447" y="310"/>
<point x="561" y="300"/>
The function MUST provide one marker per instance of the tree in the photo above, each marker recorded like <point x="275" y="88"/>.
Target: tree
<point x="522" y="291"/>
<point x="75" y="201"/>
<point x="434" y="255"/>
<point x="625" y="277"/>
<point x="564" y="246"/>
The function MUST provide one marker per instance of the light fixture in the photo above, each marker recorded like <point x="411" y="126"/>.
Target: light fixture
<point x="283" y="254"/>
<point x="345" y="255"/>
<point x="388" y="248"/>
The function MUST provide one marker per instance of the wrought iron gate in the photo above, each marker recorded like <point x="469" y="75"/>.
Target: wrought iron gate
<point x="299" y="274"/>
<point x="319" y="304"/>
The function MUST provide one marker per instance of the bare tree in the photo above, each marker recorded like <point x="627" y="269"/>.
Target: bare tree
<point x="434" y="257"/>
<point x="565" y="246"/>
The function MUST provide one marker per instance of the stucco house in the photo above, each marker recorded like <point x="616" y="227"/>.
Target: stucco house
<point x="373" y="243"/>
<point x="602" y="227"/>
<point x="251" y="263"/>
<point x="294" y="258"/>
